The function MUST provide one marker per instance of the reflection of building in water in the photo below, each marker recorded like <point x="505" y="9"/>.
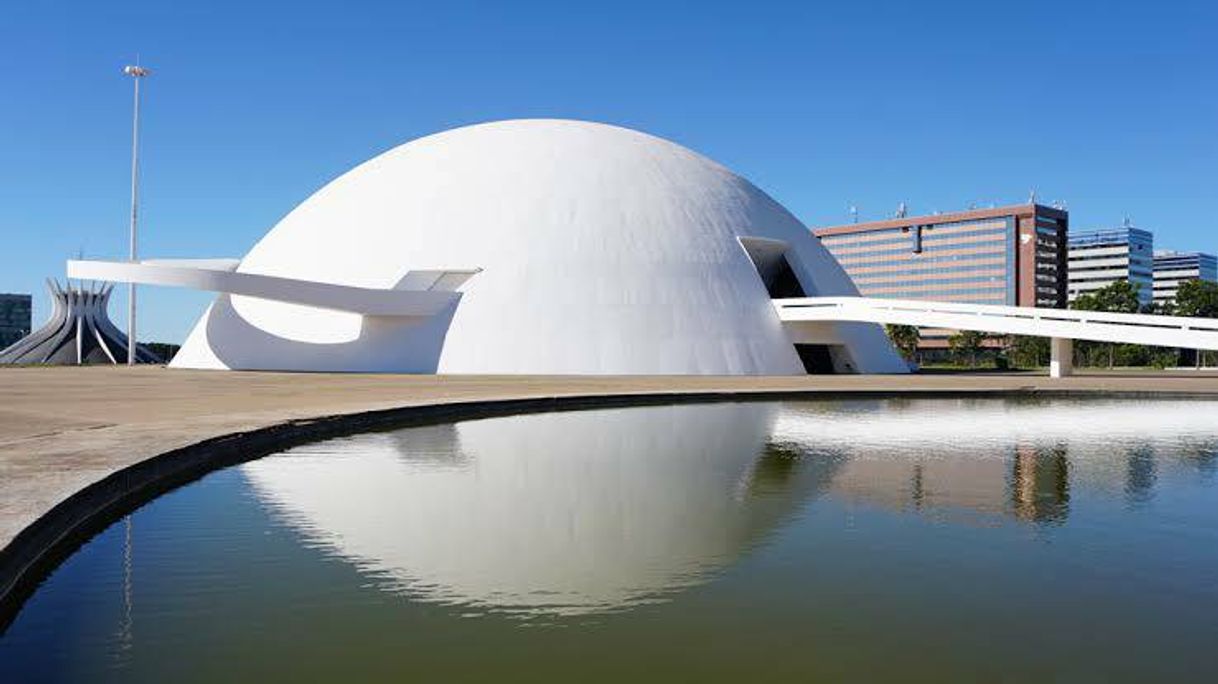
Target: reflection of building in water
<point x="1140" y="475"/>
<point x="1032" y="485"/>
<point x="909" y="454"/>
<point x="1040" y="484"/>
<point x="1204" y="457"/>
<point x="978" y="484"/>
<point x="556" y="513"/>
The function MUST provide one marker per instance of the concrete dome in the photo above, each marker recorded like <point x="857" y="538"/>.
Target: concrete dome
<point x="602" y="249"/>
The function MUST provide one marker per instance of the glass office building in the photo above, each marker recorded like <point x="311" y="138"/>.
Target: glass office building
<point x="14" y="318"/>
<point x="1173" y="268"/>
<point x="1011" y="255"/>
<point x="1098" y="258"/>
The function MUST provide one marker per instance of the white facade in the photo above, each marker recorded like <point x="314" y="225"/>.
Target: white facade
<point x="593" y="249"/>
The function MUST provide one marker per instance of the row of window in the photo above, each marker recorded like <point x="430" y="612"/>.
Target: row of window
<point x="860" y="281"/>
<point x="1183" y="262"/>
<point x="1106" y="277"/>
<point x="928" y="231"/>
<point x="932" y="294"/>
<point x="1109" y="266"/>
<point x="1133" y="266"/>
<point x="931" y="257"/>
<point x="1177" y="273"/>
<point x="905" y="245"/>
<point x="1122" y="236"/>
<point x="1092" y="256"/>
<point x="904" y="233"/>
<point x="936" y="265"/>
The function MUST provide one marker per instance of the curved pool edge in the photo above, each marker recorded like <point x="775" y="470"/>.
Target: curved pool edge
<point x="37" y="549"/>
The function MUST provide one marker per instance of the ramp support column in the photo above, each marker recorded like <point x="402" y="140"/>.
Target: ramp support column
<point x="1061" y="357"/>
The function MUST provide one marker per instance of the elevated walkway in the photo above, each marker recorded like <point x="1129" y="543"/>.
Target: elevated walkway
<point x="1062" y="326"/>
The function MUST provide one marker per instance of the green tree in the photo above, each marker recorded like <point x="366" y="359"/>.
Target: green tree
<point x="1117" y="297"/>
<point x="905" y="338"/>
<point x="1026" y="351"/>
<point x="1197" y="298"/>
<point x="965" y="344"/>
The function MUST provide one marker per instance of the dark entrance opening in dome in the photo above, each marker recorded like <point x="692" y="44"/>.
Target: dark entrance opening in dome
<point x="784" y="283"/>
<point x="816" y="358"/>
<point x="770" y="259"/>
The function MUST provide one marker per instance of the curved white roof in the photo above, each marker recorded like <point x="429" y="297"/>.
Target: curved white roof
<point x="602" y="249"/>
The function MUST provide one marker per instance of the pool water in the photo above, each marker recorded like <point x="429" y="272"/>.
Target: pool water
<point x="878" y="540"/>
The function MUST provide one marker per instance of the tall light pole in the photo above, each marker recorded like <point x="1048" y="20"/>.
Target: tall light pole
<point x="137" y="73"/>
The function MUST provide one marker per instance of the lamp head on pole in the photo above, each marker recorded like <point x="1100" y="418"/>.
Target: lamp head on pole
<point x="136" y="71"/>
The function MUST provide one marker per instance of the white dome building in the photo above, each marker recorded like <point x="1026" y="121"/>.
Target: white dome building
<point x="579" y="248"/>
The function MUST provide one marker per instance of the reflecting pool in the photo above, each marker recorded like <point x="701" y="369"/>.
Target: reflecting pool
<point x="895" y="540"/>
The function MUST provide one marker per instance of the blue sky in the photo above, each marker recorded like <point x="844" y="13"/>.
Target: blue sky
<point x="1109" y="106"/>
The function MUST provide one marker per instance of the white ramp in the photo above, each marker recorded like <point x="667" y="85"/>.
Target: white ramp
<point x="1060" y="324"/>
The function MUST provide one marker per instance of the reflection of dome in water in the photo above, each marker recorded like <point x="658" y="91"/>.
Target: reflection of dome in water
<point x="562" y="513"/>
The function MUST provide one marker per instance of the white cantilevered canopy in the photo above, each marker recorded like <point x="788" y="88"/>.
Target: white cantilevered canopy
<point x="418" y="293"/>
